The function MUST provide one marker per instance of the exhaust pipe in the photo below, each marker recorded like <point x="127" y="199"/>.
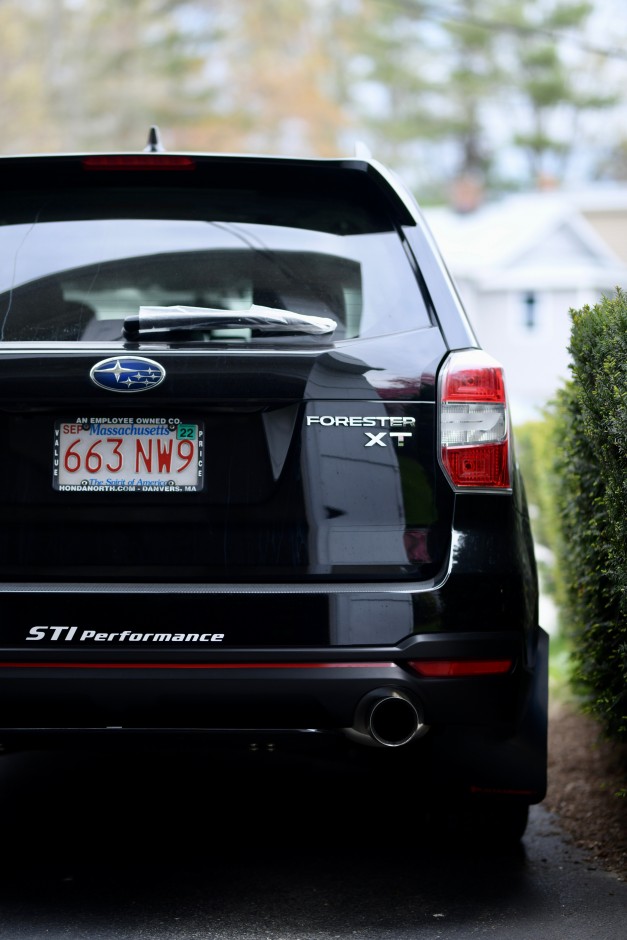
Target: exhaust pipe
<point x="388" y="718"/>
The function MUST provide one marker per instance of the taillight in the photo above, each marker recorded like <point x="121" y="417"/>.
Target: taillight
<point x="474" y="424"/>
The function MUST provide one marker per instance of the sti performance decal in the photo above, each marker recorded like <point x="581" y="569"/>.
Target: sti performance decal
<point x="78" y="635"/>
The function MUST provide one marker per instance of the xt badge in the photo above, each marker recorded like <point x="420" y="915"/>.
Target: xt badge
<point x="399" y="436"/>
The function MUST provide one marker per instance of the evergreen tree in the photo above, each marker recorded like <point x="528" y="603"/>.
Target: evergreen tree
<point x="465" y="80"/>
<point x="551" y="79"/>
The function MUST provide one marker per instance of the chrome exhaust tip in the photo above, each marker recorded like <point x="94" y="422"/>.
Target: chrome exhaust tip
<point x="388" y="718"/>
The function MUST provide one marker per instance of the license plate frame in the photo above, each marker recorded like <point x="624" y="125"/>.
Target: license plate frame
<point x="130" y="454"/>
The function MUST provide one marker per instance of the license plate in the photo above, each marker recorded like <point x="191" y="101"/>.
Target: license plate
<point x="128" y="455"/>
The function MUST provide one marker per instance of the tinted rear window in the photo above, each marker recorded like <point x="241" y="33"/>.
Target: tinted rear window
<point x="75" y="260"/>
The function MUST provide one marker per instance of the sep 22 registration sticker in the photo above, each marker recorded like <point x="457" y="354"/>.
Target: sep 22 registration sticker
<point x="128" y="454"/>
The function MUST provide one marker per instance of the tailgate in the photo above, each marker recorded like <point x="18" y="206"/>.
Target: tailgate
<point x="235" y="468"/>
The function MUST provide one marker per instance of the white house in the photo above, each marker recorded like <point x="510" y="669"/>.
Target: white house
<point x="521" y="264"/>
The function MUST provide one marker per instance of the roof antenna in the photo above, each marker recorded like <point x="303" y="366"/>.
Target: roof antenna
<point x="154" y="144"/>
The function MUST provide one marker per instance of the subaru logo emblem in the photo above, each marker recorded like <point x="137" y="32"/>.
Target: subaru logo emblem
<point x="127" y="374"/>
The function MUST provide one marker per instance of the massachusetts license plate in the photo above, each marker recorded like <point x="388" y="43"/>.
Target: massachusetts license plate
<point x="127" y="455"/>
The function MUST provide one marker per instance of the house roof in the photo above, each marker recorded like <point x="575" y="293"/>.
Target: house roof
<point x="533" y="240"/>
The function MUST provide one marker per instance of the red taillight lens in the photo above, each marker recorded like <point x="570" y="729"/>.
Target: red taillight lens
<point x="474" y="428"/>
<point x="459" y="668"/>
<point x="474" y="381"/>
<point x="139" y="161"/>
<point x="478" y="466"/>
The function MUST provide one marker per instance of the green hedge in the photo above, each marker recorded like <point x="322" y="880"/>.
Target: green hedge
<point x="589" y="487"/>
<point x="535" y="450"/>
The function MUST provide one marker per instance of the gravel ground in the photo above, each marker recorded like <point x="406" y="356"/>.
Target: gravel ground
<point x="585" y="773"/>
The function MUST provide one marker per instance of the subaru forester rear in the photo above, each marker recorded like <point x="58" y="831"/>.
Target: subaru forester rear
<point x="258" y="477"/>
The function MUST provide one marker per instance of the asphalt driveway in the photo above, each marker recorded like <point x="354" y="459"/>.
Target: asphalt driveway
<point x="155" y="846"/>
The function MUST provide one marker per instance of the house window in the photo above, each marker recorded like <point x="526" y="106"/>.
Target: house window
<point x="530" y="311"/>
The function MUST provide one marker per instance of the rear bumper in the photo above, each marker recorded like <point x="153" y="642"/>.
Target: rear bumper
<point x="91" y="662"/>
<point x="491" y="723"/>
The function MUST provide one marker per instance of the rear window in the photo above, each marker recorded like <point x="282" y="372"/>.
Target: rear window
<point x="75" y="261"/>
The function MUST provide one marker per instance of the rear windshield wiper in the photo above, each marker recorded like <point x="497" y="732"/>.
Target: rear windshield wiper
<point x="264" y="319"/>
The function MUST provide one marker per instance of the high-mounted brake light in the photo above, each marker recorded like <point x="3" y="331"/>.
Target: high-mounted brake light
<point x="474" y="426"/>
<point x="139" y="161"/>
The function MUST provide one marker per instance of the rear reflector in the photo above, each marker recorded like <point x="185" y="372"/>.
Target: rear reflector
<point x="457" y="668"/>
<point x="474" y="426"/>
<point x="139" y="161"/>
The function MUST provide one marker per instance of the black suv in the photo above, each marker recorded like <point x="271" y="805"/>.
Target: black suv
<point x="258" y="478"/>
